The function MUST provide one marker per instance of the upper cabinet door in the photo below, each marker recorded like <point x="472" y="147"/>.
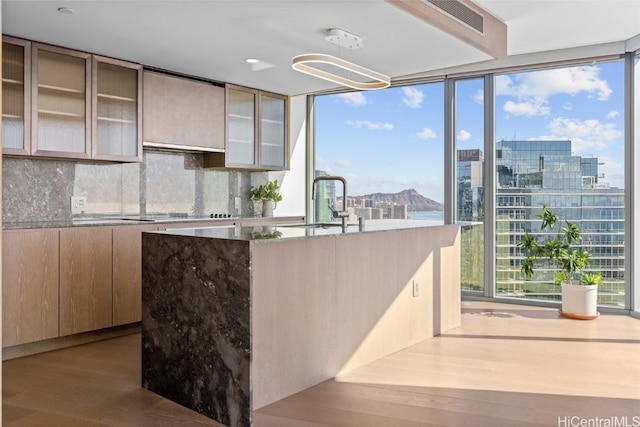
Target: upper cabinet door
<point x="241" y="128"/>
<point x="182" y="113"/>
<point x="61" y="102"/>
<point x="117" y="110"/>
<point x="256" y="130"/>
<point x="273" y="129"/>
<point x="16" y="96"/>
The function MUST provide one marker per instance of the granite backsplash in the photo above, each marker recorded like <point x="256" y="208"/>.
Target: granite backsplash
<point x="165" y="182"/>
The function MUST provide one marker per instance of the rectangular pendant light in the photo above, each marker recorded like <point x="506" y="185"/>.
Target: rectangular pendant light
<point x="307" y="64"/>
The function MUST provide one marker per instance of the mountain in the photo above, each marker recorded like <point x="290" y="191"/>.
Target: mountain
<point x="414" y="200"/>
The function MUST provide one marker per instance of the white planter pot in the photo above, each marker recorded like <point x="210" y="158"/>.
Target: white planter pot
<point x="267" y="208"/>
<point x="579" y="301"/>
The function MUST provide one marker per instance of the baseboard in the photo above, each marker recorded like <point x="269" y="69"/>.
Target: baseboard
<point x="13" y="352"/>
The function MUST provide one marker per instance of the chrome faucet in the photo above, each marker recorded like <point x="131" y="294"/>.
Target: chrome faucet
<point x="344" y="214"/>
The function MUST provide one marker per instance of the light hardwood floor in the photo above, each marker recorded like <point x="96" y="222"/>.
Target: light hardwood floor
<point x="507" y="365"/>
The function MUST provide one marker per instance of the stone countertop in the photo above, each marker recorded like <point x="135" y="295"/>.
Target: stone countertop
<point x="298" y="231"/>
<point x="108" y="221"/>
<point x="112" y="220"/>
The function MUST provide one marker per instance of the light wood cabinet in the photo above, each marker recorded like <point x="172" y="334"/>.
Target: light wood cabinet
<point x="127" y="273"/>
<point x="182" y="113"/>
<point x="58" y="282"/>
<point x="117" y="110"/>
<point x="29" y="286"/>
<point x="85" y="279"/>
<point x="241" y="147"/>
<point x="16" y="96"/>
<point x="273" y="131"/>
<point x="61" y="102"/>
<point x="257" y="131"/>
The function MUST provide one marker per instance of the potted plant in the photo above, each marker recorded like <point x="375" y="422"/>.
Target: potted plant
<point x="579" y="289"/>
<point x="269" y="194"/>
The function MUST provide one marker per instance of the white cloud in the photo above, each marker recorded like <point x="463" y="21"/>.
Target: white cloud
<point x="426" y="133"/>
<point x="412" y="97"/>
<point x="352" y="98"/>
<point x="610" y="163"/>
<point x="370" y="125"/>
<point x="589" y="128"/>
<point x="342" y="163"/>
<point x="543" y="84"/>
<point x="612" y="114"/>
<point x="478" y="97"/>
<point x="528" y="109"/>
<point x="463" y="135"/>
<point x="585" y="135"/>
<point x="568" y="106"/>
<point x="612" y="169"/>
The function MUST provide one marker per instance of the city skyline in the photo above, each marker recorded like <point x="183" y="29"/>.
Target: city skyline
<point x="390" y="140"/>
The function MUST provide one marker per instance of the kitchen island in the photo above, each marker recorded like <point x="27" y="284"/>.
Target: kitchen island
<point x="236" y="318"/>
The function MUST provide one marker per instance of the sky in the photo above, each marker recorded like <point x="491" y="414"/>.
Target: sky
<point x="393" y="139"/>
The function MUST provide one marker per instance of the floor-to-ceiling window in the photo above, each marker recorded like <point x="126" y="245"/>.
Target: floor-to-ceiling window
<point x="470" y="184"/>
<point x="389" y="146"/>
<point x="560" y="143"/>
<point x="520" y="140"/>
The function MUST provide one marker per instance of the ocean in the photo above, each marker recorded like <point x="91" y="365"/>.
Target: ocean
<point x="428" y="215"/>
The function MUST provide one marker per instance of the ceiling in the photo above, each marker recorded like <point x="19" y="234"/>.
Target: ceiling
<point x="212" y="38"/>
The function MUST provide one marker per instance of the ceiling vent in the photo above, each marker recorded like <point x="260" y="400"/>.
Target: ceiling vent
<point x="462" y="19"/>
<point x="461" y="12"/>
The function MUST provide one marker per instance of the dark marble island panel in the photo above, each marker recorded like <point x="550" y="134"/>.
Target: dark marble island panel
<point x="196" y="324"/>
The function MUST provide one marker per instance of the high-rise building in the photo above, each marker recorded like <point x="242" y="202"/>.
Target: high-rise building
<point x="325" y="198"/>
<point x="532" y="174"/>
<point x="368" y="213"/>
<point x="470" y="185"/>
<point x="393" y="210"/>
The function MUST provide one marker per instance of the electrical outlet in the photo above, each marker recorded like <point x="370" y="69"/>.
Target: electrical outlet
<point x="238" y="202"/>
<point x="416" y="288"/>
<point x="78" y="204"/>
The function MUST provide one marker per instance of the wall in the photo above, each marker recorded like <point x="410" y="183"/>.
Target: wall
<point x="165" y="182"/>
<point x="293" y="182"/>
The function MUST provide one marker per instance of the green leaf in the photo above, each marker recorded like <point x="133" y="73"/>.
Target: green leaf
<point x="267" y="191"/>
<point x="527" y="267"/>
<point x="549" y="218"/>
<point x="562" y="276"/>
<point x="572" y="233"/>
<point x="591" y="279"/>
<point x="528" y="243"/>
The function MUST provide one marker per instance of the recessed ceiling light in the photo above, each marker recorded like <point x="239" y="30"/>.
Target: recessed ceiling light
<point x="251" y="60"/>
<point x="66" y="10"/>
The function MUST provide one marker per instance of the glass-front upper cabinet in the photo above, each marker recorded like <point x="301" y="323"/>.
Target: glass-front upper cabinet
<point x="241" y="127"/>
<point x="117" y="112"/>
<point x="16" y="90"/>
<point x="256" y="129"/>
<point x="61" y="103"/>
<point x="273" y="127"/>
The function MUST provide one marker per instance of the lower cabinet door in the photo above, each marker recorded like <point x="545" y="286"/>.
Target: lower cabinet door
<point x="86" y="300"/>
<point x="127" y="273"/>
<point x="29" y="286"/>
